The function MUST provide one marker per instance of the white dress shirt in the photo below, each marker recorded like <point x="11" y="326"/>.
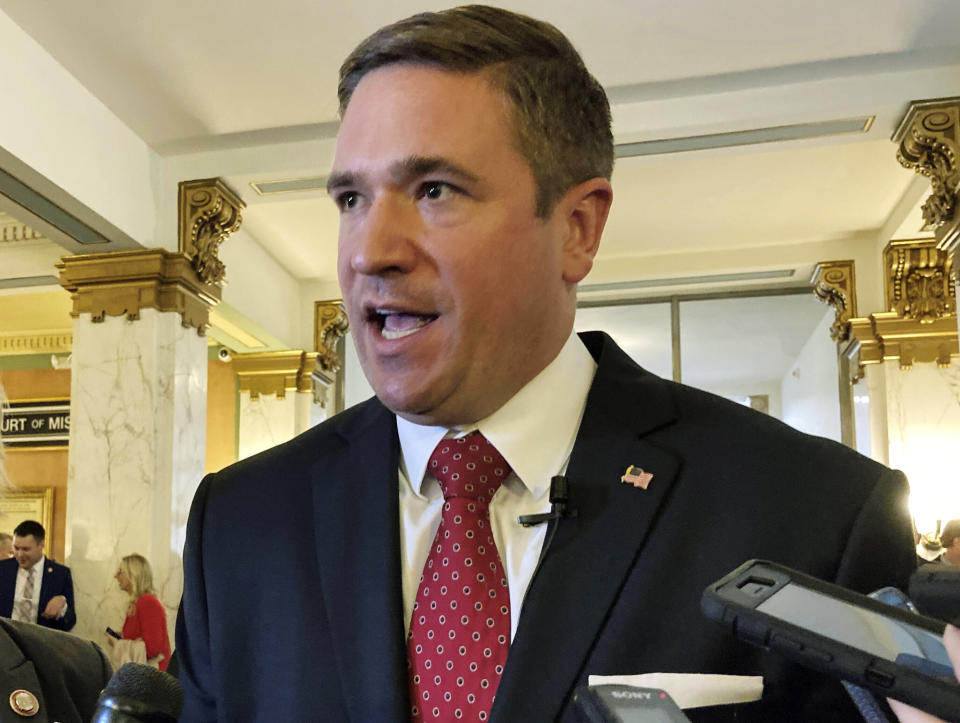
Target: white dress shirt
<point x="535" y="432"/>
<point x="37" y="582"/>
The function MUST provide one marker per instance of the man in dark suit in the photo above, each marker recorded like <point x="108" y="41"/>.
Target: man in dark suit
<point x="47" y="675"/>
<point x="472" y="177"/>
<point x="33" y="588"/>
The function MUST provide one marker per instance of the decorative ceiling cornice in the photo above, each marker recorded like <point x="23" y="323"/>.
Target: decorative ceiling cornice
<point x="835" y="284"/>
<point x="13" y="231"/>
<point x="48" y="342"/>
<point x="279" y="372"/>
<point x="330" y="325"/>
<point x="122" y="283"/>
<point x="209" y="212"/>
<point x="920" y="323"/>
<point x="928" y="141"/>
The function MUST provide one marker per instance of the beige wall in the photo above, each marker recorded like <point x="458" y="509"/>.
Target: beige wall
<point x="221" y="415"/>
<point x="41" y="467"/>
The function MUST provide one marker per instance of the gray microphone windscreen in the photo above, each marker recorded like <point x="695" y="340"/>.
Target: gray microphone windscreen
<point x="153" y="688"/>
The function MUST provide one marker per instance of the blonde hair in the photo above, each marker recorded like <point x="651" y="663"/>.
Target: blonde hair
<point x="138" y="571"/>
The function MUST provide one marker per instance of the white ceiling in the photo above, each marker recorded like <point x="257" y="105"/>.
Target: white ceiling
<point x="215" y="79"/>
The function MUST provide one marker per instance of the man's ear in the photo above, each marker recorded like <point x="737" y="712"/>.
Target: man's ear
<point x="585" y="208"/>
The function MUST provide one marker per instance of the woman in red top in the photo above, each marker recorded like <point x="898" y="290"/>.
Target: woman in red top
<point x="146" y="616"/>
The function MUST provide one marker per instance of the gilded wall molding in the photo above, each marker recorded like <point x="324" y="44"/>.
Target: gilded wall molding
<point x="835" y="284"/>
<point x="269" y="372"/>
<point x="209" y="212"/>
<point x="122" y="283"/>
<point x="330" y="326"/>
<point x="928" y="141"/>
<point x="279" y="372"/>
<point x="920" y="323"/>
<point x="55" y="342"/>
<point x="314" y="378"/>
<point x="12" y="231"/>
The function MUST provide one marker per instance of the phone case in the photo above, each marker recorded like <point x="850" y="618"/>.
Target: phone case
<point x="732" y="601"/>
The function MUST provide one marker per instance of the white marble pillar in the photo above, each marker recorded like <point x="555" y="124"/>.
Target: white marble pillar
<point x="265" y="420"/>
<point x="923" y="430"/>
<point x="137" y="450"/>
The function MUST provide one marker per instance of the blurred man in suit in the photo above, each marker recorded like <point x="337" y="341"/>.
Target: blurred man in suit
<point x="33" y="588"/>
<point x="6" y="545"/>
<point x="48" y="675"/>
<point x="472" y="175"/>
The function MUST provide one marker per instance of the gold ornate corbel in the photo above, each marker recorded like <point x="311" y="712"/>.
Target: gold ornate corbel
<point x="330" y="326"/>
<point x="920" y="324"/>
<point x="209" y="212"/>
<point x="928" y="141"/>
<point x="835" y="284"/>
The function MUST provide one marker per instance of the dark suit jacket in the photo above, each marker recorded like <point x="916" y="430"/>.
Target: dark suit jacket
<point x="65" y="673"/>
<point x="617" y="593"/>
<point x="56" y="580"/>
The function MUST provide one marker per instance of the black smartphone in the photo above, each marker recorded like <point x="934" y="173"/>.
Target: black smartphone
<point x="113" y="633"/>
<point x="893" y="652"/>
<point x="625" y="704"/>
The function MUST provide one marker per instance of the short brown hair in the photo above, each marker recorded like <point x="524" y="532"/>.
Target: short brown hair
<point x="560" y="112"/>
<point x="951" y="531"/>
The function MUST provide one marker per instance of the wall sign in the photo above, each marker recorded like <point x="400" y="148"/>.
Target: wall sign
<point x="35" y="424"/>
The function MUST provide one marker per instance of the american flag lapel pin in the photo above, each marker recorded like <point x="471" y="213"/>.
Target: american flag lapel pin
<point x="636" y="477"/>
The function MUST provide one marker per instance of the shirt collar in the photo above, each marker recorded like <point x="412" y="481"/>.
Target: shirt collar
<point x="38" y="565"/>
<point x="534" y="431"/>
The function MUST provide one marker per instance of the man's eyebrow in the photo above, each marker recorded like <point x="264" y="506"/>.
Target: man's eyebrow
<point x="416" y="166"/>
<point x="339" y="179"/>
<point x="405" y="170"/>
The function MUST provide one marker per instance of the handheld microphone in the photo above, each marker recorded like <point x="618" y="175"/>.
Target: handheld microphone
<point x="559" y="496"/>
<point x="139" y="694"/>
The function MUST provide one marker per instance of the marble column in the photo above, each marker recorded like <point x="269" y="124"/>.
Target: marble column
<point x="137" y="451"/>
<point x="923" y="429"/>
<point x="911" y="357"/>
<point x="282" y="394"/>
<point x="138" y="403"/>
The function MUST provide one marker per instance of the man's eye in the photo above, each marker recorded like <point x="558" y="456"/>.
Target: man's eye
<point x="347" y="200"/>
<point x="436" y="190"/>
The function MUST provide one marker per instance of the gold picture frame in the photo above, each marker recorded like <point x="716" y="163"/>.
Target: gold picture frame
<point x="27" y="503"/>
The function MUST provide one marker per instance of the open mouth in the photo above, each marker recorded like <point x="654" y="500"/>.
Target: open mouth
<point x="398" y="324"/>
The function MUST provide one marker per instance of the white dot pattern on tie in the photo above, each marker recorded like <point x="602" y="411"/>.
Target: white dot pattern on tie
<point x="460" y="629"/>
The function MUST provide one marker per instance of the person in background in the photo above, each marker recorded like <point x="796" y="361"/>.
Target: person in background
<point x="146" y="616"/>
<point x="6" y="545"/>
<point x="33" y="588"/>
<point x="950" y="541"/>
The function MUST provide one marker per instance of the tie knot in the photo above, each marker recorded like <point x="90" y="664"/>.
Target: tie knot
<point x="468" y="467"/>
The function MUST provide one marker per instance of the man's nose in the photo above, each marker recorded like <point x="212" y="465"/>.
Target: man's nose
<point x="385" y="240"/>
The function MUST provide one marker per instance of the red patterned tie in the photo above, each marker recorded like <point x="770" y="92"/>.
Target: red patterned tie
<point x="460" y="630"/>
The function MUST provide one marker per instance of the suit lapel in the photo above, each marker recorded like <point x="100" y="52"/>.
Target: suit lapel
<point x="591" y="554"/>
<point x="18" y="673"/>
<point x="355" y="499"/>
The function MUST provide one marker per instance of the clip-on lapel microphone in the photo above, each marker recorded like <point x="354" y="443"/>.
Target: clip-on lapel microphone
<point x="559" y="496"/>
